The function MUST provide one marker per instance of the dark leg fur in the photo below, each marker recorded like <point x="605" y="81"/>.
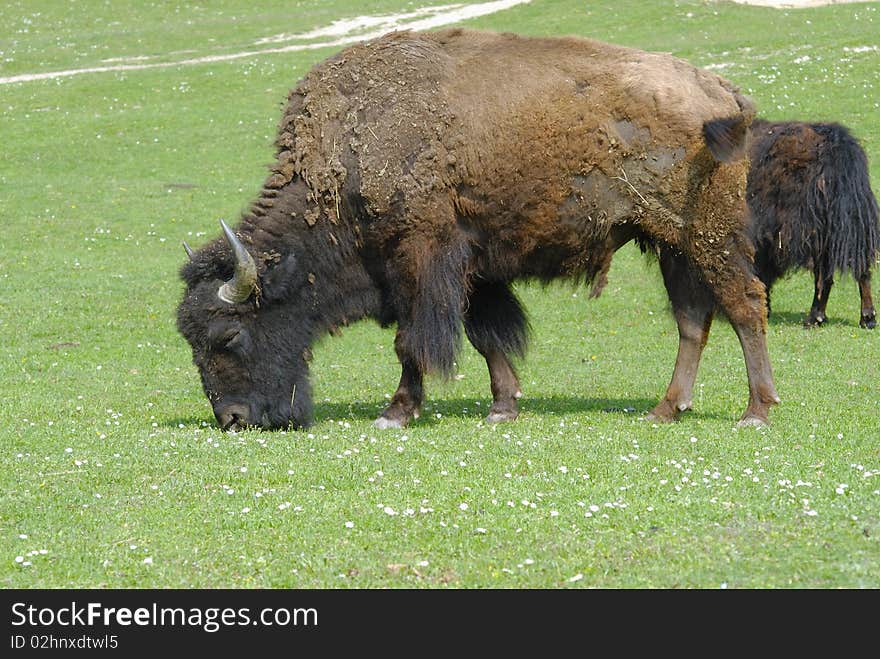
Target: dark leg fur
<point x="429" y="299"/>
<point x="496" y="326"/>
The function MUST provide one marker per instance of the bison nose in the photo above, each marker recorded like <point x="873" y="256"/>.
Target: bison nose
<point x="233" y="417"/>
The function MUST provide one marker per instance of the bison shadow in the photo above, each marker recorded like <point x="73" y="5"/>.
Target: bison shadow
<point x="796" y="319"/>
<point x="471" y="409"/>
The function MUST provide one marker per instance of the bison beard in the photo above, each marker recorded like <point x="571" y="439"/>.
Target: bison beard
<point x="812" y="207"/>
<point x="419" y="174"/>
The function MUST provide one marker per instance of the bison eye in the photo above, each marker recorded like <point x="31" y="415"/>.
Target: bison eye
<point x="233" y="339"/>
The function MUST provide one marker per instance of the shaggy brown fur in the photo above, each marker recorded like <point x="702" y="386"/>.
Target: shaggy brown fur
<point x="419" y="174"/>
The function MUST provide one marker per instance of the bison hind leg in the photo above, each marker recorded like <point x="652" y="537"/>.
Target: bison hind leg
<point x="693" y="306"/>
<point x="496" y="326"/>
<point x="822" y="289"/>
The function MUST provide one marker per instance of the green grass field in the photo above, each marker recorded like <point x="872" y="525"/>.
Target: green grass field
<point x="114" y="475"/>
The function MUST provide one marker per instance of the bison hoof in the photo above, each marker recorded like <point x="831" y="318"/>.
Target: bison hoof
<point x="665" y="412"/>
<point x="868" y="322"/>
<point x="814" y="321"/>
<point x="752" y="421"/>
<point x="659" y="418"/>
<point x="502" y="416"/>
<point x="383" y="422"/>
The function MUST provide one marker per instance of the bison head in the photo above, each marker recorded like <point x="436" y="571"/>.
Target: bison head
<point x="249" y="345"/>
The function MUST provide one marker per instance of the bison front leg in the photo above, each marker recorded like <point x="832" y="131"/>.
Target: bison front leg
<point x="496" y="326"/>
<point x="426" y="278"/>
<point x="868" y="318"/>
<point x="693" y="307"/>
<point x="406" y="402"/>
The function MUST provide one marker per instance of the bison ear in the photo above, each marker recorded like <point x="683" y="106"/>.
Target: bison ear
<point x="278" y="281"/>
<point x="727" y="138"/>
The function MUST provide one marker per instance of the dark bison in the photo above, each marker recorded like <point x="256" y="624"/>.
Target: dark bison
<point x="419" y="174"/>
<point x="812" y="207"/>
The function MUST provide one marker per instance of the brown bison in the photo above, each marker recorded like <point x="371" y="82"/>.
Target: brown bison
<point x="419" y="174"/>
<point x="812" y="207"/>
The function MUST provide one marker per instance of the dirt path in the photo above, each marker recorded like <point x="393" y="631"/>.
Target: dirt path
<point x="338" y="33"/>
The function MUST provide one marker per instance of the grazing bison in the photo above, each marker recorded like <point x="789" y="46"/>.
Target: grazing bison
<point x="419" y="174"/>
<point x="812" y="207"/>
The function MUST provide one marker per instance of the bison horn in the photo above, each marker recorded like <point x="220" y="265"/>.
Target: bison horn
<point x="189" y="252"/>
<point x="244" y="279"/>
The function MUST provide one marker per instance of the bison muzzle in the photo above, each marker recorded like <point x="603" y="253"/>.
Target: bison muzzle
<point x="418" y="175"/>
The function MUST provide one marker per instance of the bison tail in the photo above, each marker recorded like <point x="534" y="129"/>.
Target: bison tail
<point x="841" y="197"/>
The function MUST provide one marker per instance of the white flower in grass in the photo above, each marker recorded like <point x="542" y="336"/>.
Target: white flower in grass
<point x="463" y="506"/>
<point x="480" y="529"/>
<point x="148" y="560"/>
<point x="575" y="578"/>
<point x="388" y="510"/>
<point x="349" y="525"/>
<point x="841" y="489"/>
